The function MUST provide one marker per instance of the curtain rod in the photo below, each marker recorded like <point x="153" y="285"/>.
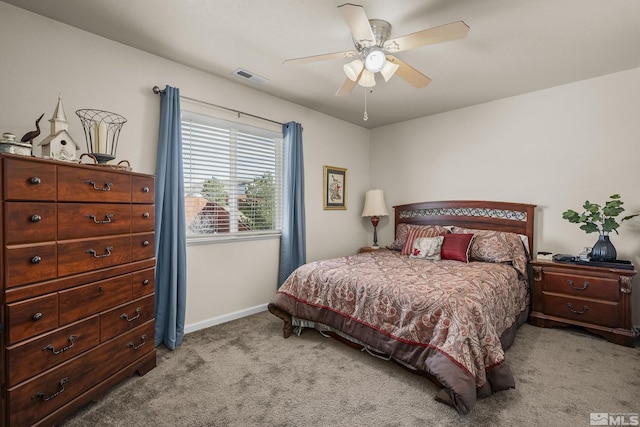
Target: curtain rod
<point x="158" y="91"/>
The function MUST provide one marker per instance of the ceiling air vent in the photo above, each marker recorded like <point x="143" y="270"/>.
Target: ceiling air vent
<point x="250" y="76"/>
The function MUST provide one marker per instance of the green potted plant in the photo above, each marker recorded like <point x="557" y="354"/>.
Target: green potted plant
<point x="602" y="219"/>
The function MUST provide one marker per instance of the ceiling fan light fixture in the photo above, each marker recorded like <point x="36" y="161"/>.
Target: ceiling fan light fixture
<point x="374" y="59"/>
<point x="368" y="79"/>
<point x="352" y="69"/>
<point x="389" y="70"/>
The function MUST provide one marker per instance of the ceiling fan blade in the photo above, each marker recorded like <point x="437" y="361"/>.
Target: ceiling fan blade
<point x="348" y="85"/>
<point x="356" y="18"/>
<point x="324" y="57"/>
<point x="444" y="33"/>
<point x="409" y="74"/>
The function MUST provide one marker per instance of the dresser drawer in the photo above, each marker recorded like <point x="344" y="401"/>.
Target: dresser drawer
<point x="29" y="180"/>
<point x="142" y="218"/>
<point x="30" y="263"/>
<point x="126" y="317"/>
<point x="76" y="220"/>
<point x="142" y="189"/>
<point x="581" y="286"/>
<point x="602" y="313"/>
<point x="92" y="254"/>
<point x="92" y="185"/>
<point x="41" y="353"/>
<point x="142" y="246"/>
<point x="34" y="399"/>
<point x="28" y="318"/>
<point x="144" y="282"/>
<point x="85" y="300"/>
<point x="27" y="222"/>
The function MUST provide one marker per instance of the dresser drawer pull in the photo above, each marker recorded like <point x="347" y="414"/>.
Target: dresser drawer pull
<point x="135" y="347"/>
<point x="36" y="218"/>
<point x="585" y="285"/>
<point x="106" y="220"/>
<point x="145" y="282"/>
<point x="56" y="352"/>
<point x="145" y="243"/>
<point x="36" y="259"/>
<point x="584" y="309"/>
<point x="40" y="394"/>
<point x="107" y="253"/>
<point x="146" y="215"/>
<point x="35" y="180"/>
<point x="131" y="319"/>
<point x="145" y="189"/>
<point x="107" y="186"/>
<point x="37" y="316"/>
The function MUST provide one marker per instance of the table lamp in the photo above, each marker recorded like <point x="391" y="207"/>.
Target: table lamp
<point x="374" y="207"/>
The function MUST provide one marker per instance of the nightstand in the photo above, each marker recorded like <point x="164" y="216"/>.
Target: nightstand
<point x="595" y="298"/>
<point x="367" y="249"/>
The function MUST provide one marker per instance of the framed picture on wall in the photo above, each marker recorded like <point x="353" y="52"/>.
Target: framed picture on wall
<point x="335" y="188"/>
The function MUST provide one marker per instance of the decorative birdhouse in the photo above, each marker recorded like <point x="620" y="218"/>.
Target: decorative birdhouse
<point x="59" y="145"/>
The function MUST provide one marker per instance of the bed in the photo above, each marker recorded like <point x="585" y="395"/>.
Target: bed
<point x="444" y="299"/>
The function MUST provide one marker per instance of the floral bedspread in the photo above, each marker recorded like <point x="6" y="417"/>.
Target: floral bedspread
<point x="444" y="317"/>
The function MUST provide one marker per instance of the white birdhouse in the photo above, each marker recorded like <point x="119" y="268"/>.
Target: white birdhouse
<point x="59" y="145"/>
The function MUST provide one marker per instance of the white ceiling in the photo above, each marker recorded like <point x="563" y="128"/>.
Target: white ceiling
<point x="513" y="47"/>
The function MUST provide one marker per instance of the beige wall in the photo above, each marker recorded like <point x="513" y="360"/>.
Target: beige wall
<point x="41" y="58"/>
<point x="554" y="148"/>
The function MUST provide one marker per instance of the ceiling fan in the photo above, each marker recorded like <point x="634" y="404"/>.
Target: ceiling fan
<point x="375" y="50"/>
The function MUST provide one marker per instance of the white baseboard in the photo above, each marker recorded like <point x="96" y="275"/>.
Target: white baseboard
<point x="223" y="319"/>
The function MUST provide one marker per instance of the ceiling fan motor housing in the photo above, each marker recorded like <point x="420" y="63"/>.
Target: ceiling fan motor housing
<point x="381" y="31"/>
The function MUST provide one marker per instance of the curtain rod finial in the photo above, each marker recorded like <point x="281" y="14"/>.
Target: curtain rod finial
<point x="157" y="90"/>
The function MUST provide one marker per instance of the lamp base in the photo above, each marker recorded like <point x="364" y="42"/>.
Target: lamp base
<point x="102" y="158"/>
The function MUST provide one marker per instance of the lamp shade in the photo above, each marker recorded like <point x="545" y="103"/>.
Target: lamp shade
<point x="374" y="204"/>
<point x="368" y="79"/>
<point x="388" y="70"/>
<point x="352" y="69"/>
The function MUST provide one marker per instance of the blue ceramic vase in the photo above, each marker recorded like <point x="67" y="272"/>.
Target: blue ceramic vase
<point x="603" y="250"/>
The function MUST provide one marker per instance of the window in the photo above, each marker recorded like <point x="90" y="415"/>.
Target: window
<point x="232" y="178"/>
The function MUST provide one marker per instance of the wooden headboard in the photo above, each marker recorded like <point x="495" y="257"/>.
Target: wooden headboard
<point x="485" y="215"/>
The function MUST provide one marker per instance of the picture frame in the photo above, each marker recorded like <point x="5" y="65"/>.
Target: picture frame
<point x="335" y="188"/>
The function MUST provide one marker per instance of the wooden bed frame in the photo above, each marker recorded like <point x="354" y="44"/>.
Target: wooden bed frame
<point x="510" y="217"/>
<point x="485" y="215"/>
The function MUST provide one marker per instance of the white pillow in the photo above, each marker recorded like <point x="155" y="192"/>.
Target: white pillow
<point x="427" y="248"/>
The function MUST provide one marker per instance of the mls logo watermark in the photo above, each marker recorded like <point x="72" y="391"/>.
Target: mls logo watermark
<point x="614" y="419"/>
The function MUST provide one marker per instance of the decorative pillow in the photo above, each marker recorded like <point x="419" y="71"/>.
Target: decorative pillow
<point x="497" y="246"/>
<point x="402" y="230"/>
<point x="457" y="247"/>
<point x="414" y="232"/>
<point x="427" y="248"/>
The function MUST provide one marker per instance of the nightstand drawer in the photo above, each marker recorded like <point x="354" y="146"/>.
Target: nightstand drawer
<point x="602" y="313"/>
<point x="581" y="286"/>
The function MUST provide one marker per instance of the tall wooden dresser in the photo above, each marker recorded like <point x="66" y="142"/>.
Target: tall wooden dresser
<point x="77" y="273"/>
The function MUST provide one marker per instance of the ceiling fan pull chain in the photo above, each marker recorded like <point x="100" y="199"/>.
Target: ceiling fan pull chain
<point x="366" y="116"/>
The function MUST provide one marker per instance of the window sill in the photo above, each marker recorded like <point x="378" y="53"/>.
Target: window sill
<point x="212" y="240"/>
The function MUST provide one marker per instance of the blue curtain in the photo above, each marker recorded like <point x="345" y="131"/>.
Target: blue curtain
<point x="170" y="235"/>
<point x="293" y="250"/>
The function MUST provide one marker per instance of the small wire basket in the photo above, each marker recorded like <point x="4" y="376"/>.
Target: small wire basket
<point x="101" y="131"/>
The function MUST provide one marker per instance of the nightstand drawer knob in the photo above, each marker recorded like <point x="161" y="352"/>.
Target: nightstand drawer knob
<point x="585" y="285"/>
<point x="584" y="309"/>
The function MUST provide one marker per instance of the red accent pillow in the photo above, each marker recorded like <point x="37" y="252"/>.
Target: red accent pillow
<point x="414" y="233"/>
<point x="456" y="247"/>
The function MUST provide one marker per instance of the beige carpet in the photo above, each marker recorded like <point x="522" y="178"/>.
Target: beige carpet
<point x="243" y="373"/>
